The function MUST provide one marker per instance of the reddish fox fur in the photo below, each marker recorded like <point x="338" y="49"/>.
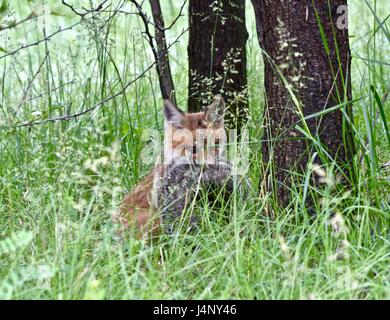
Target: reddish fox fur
<point x="138" y="210"/>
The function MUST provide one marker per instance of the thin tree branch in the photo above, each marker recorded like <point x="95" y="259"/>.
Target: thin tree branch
<point x="11" y="25"/>
<point x="98" y="8"/>
<point x="180" y="14"/>
<point x="166" y="81"/>
<point x="31" y="82"/>
<point x="104" y="101"/>
<point x="52" y="90"/>
<point x="177" y="17"/>
<point x="87" y="11"/>
<point x="60" y="30"/>
<point x="145" y="19"/>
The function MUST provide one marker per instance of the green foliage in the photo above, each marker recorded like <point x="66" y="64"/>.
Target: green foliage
<point x="62" y="181"/>
<point x="3" y="7"/>
<point x="12" y="280"/>
<point x="16" y="241"/>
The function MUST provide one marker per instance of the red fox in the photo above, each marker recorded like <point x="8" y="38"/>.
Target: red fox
<point x="185" y="135"/>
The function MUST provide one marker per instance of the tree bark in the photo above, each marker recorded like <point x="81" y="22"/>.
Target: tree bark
<point x="217" y="56"/>
<point x="309" y="45"/>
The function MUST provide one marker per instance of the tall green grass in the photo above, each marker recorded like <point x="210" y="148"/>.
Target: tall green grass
<point x="60" y="182"/>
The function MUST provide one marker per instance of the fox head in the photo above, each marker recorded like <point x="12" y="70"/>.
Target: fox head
<point x="199" y="136"/>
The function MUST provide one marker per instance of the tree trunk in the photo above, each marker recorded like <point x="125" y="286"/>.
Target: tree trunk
<point x="217" y="56"/>
<point x="165" y="76"/>
<point x="307" y="41"/>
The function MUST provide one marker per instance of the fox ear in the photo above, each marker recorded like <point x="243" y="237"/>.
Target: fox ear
<point x="172" y="114"/>
<point x="215" y="111"/>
